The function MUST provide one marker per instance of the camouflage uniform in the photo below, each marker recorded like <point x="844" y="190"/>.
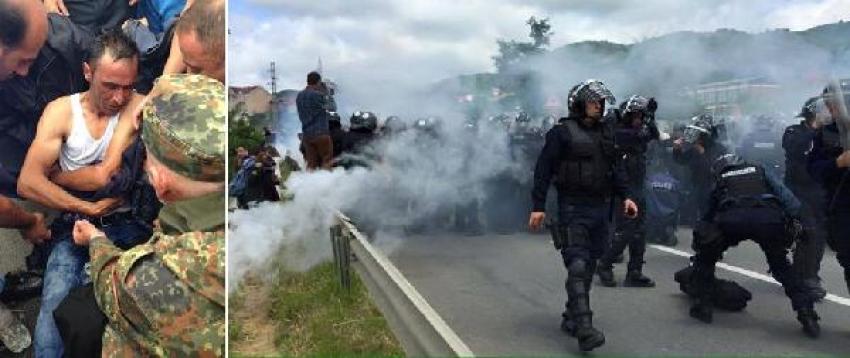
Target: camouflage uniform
<point x="166" y="297"/>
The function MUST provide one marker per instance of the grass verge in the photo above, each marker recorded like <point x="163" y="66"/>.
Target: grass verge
<point x="315" y="317"/>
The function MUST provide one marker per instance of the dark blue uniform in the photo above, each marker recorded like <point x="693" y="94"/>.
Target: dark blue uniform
<point x="632" y="145"/>
<point x="582" y="160"/>
<point x="747" y="202"/>
<point x="826" y="148"/>
<point x="699" y="167"/>
<point x="797" y="142"/>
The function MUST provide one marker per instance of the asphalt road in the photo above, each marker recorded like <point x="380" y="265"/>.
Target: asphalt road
<point x="503" y="295"/>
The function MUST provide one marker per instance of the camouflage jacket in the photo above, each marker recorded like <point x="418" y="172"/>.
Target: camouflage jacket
<point x="163" y="298"/>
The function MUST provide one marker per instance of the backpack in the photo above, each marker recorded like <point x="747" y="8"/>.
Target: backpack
<point x="237" y="186"/>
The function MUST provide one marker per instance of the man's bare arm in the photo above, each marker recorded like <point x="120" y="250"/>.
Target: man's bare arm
<point x="33" y="183"/>
<point x="13" y="216"/>
<point x="94" y="177"/>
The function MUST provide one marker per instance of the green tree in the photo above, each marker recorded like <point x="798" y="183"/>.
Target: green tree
<point x="513" y="52"/>
<point x="242" y="134"/>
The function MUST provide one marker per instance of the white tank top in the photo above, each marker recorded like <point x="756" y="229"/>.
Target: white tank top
<point x="81" y="149"/>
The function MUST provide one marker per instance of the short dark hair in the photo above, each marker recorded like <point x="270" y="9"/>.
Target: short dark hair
<point x="14" y="26"/>
<point x="116" y="43"/>
<point x="206" y="19"/>
<point x="313" y="78"/>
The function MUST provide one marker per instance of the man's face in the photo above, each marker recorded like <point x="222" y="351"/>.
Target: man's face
<point x="112" y="83"/>
<point x="198" y="59"/>
<point x="593" y="109"/>
<point x="636" y="119"/>
<point x="17" y="61"/>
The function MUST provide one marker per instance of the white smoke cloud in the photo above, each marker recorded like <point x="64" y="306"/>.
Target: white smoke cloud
<point x="383" y="58"/>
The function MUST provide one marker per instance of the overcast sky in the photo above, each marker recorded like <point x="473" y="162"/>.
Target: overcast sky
<point x="411" y="41"/>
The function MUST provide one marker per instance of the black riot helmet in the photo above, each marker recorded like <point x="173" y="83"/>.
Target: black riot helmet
<point x="522" y="117"/>
<point x="638" y="104"/>
<point x="364" y="121"/>
<point x="635" y="104"/>
<point x="334" y="117"/>
<point x="429" y="123"/>
<point x="810" y="108"/>
<point x="701" y="127"/>
<point x="394" y="124"/>
<point x="589" y="90"/>
<point x="724" y="161"/>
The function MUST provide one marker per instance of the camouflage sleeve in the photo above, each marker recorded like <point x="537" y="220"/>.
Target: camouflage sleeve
<point x="104" y="256"/>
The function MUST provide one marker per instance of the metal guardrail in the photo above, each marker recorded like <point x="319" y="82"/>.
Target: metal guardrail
<point x="418" y="327"/>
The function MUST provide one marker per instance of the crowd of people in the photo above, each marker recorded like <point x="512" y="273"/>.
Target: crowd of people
<point x="611" y="164"/>
<point x="113" y="118"/>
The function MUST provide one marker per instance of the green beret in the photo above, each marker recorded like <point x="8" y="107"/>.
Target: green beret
<point x="184" y="125"/>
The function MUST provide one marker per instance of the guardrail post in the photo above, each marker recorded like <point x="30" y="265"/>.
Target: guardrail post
<point x="342" y="256"/>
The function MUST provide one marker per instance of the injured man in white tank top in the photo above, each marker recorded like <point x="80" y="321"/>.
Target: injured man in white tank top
<point x="78" y="148"/>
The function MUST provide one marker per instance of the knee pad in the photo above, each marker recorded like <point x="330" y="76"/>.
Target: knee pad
<point x="578" y="268"/>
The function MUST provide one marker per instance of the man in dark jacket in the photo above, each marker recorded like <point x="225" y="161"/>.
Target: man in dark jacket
<point x="312" y="111"/>
<point x="797" y="141"/>
<point x="27" y="87"/>
<point x="635" y="128"/>
<point x="747" y="202"/>
<point x="579" y="155"/>
<point x="697" y="150"/>
<point x="828" y="163"/>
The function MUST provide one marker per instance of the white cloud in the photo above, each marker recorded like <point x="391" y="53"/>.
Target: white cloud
<point x="393" y="43"/>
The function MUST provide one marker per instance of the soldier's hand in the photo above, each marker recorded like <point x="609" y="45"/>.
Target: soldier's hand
<point x="843" y="160"/>
<point x="101" y="207"/>
<point x="56" y="6"/>
<point x="38" y="232"/>
<point x="535" y="221"/>
<point x="84" y="231"/>
<point x="630" y="209"/>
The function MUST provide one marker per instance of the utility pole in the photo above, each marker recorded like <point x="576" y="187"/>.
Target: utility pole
<point x="273" y="102"/>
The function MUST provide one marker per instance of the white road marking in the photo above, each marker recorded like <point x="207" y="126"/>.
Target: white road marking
<point x="751" y="274"/>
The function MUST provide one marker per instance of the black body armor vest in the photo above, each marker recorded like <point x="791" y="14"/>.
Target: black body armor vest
<point x="586" y="169"/>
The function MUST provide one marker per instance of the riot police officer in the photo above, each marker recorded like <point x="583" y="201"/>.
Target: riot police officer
<point x="579" y="153"/>
<point x="361" y="133"/>
<point x="337" y="134"/>
<point x="747" y="202"/>
<point x="466" y="213"/>
<point x="524" y="143"/>
<point x="797" y="141"/>
<point x="697" y="150"/>
<point x="828" y="163"/>
<point x="635" y="128"/>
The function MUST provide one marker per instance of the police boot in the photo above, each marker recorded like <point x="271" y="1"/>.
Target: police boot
<point x="606" y="275"/>
<point x="568" y="326"/>
<point x="578" y="306"/>
<point x="809" y="319"/>
<point x="635" y="278"/>
<point x="702" y="310"/>
<point x="588" y="337"/>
